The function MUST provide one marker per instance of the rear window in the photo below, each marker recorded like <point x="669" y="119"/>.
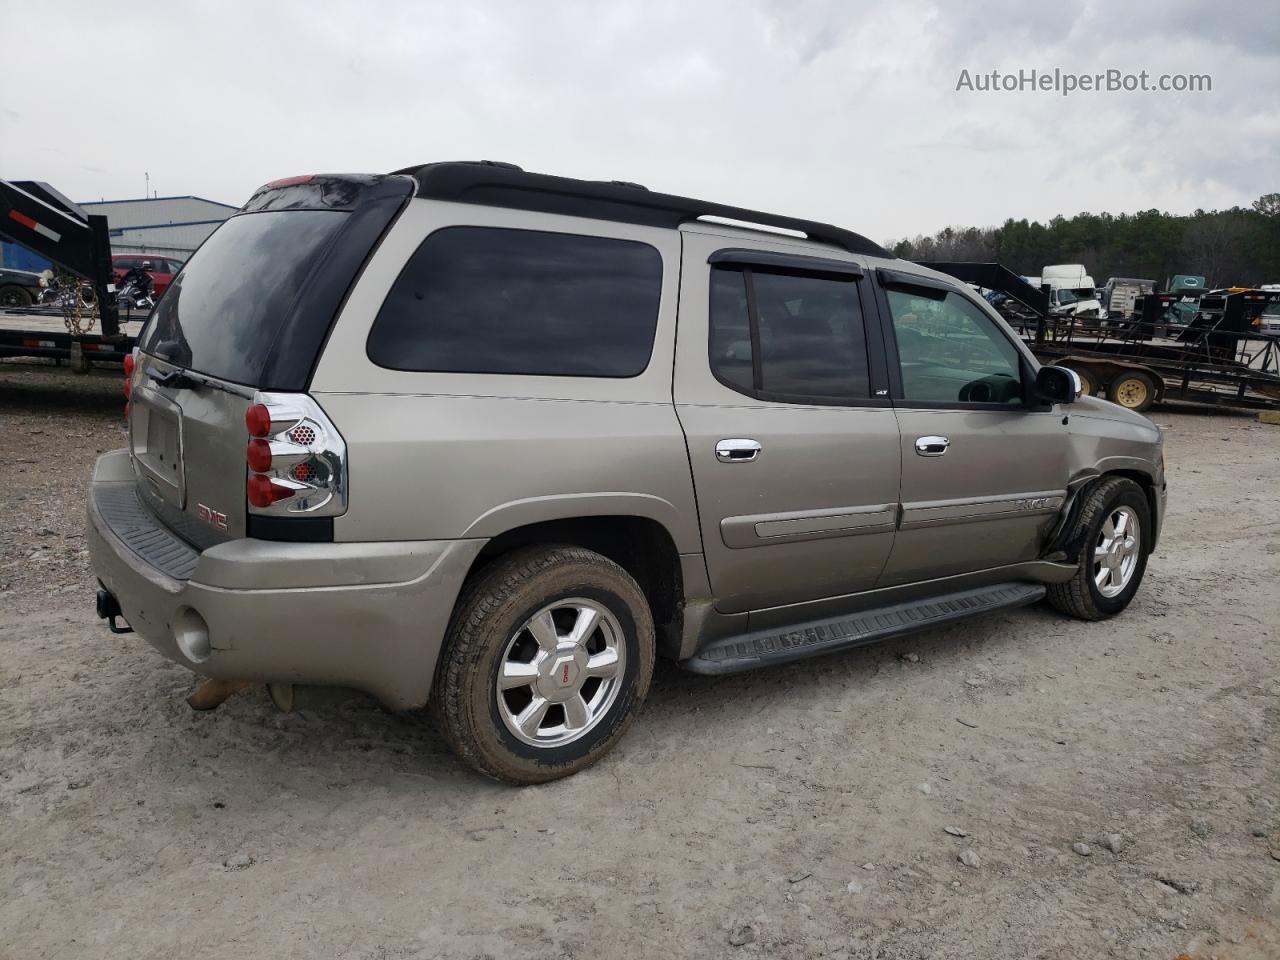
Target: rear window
<point x="494" y="300"/>
<point x="222" y="314"/>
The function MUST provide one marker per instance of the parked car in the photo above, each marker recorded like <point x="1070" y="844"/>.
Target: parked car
<point x="444" y="440"/>
<point x="20" y="288"/>
<point x="162" y="269"/>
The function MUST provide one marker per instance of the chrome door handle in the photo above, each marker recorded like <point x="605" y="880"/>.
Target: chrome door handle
<point x="932" y="446"/>
<point x="737" y="450"/>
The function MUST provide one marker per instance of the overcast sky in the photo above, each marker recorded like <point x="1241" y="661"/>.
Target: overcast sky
<point x="838" y="111"/>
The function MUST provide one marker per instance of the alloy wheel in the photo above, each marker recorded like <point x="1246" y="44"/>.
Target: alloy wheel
<point x="560" y="673"/>
<point x="1116" y="553"/>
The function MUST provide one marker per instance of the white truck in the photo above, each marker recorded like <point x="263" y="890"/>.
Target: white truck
<point x="1071" y="291"/>
<point x="1269" y="322"/>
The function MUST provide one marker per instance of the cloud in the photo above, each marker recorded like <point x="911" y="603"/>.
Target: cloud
<point x="832" y="110"/>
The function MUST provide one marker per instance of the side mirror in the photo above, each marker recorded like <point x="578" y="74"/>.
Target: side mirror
<point x="1058" y="385"/>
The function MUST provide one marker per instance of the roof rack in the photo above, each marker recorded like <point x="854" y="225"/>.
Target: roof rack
<point x="496" y="184"/>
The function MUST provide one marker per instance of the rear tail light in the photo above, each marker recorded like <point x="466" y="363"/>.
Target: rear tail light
<point x="262" y="491"/>
<point x="296" y="458"/>
<point x="257" y="420"/>
<point x="258" y="455"/>
<point x="130" y="364"/>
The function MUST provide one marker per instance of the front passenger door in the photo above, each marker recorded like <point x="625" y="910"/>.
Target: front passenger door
<point x="984" y="466"/>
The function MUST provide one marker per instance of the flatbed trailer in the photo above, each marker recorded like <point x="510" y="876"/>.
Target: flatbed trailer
<point x="1139" y="372"/>
<point x="1222" y="356"/>
<point x="38" y="217"/>
<point x="42" y="332"/>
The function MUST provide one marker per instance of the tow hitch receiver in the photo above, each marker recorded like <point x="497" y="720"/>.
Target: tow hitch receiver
<point x="109" y="609"/>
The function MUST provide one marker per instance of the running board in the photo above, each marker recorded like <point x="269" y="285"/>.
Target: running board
<point x="752" y="650"/>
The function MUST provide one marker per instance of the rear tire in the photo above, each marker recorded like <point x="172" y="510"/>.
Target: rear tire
<point x="1133" y="390"/>
<point x="1110" y="569"/>
<point x="518" y="619"/>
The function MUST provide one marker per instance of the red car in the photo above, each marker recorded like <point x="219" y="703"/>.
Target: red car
<point x="163" y="269"/>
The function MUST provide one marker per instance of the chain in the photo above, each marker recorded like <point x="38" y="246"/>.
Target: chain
<point x="79" y="303"/>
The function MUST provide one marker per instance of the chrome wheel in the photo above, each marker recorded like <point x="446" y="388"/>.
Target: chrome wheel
<point x="1116" y="554"/>
<point x="561" y="672"/>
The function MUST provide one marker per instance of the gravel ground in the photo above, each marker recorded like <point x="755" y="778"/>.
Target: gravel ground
<point x="1019" y="786"/>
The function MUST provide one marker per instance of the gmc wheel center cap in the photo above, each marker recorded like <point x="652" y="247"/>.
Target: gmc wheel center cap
<point x="562" y="674"/>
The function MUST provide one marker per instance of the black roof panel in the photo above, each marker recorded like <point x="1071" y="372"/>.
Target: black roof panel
<point x="505" y="185"/>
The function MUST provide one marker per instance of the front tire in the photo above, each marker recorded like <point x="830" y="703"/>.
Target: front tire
<point x="1112" y="533"/>
<point x="549" y="652"/>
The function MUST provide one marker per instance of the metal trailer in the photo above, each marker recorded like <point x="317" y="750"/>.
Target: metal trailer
<point x="1222" y="356"/>
<point x="1164" y="312"/>
<point x="39" y="218"/>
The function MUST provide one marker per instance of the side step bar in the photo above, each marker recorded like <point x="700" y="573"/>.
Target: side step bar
<point x="753" y="650"/>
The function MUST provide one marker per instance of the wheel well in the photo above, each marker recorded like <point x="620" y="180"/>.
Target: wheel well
<point x="1064" y="538"/>
<point x="641" y="546"/>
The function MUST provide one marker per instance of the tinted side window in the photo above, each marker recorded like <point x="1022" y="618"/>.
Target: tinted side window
<point x="731" y="330"/>
<point x="808" y="328"/>
<point x="490" y="300"/>
<point x="952" y="352"/>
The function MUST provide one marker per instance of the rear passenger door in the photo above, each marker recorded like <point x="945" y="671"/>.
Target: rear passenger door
<point x="984" y="465"/>
<point x="795" y="460"/>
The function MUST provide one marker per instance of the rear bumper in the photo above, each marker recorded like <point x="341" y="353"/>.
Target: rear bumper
<point x="365" y="615"/>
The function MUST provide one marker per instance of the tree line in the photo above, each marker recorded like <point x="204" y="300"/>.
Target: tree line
<point x="1236" y="247"/>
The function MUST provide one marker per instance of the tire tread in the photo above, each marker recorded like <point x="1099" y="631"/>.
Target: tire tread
<point x="1074" y="596"/>
<point x="468" y="639"/>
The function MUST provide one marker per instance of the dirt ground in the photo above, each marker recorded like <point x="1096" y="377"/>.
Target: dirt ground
<point x="801" y="812"/>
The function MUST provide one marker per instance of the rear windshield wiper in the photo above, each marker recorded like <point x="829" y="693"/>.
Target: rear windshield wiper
<point x="177" y="379"/>
<point x="183" y="380"/>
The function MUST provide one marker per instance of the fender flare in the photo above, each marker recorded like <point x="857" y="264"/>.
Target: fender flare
<point x="569" y="506"/>
<point x="1078" y="488"/>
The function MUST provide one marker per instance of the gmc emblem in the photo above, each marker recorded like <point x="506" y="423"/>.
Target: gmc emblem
<point x="211" y="516"/>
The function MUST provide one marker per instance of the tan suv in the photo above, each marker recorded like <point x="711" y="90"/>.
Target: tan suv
<point x="494" y="440"/>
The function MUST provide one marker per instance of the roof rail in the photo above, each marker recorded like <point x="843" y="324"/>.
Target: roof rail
<point x="497" y="184"/>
